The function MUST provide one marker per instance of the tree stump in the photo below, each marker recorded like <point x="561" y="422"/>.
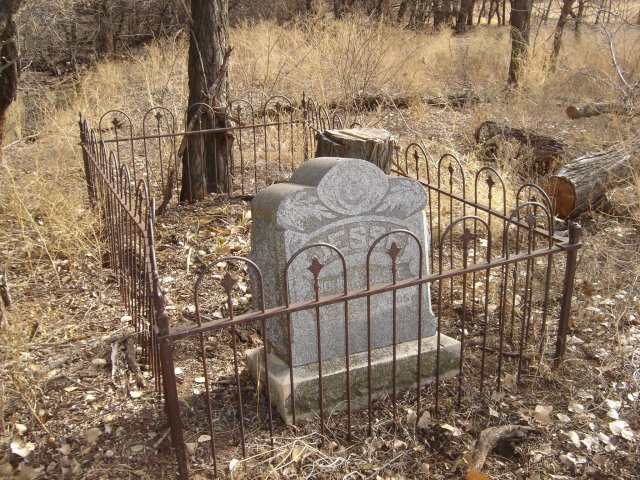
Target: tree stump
<point x="583" y="183"/>
<point x="374" y="145"/>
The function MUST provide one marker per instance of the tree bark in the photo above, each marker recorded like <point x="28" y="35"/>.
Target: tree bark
<point x="579" y="15"/>
<point x="599" y="108"/>
<point x="465" y="13"/>
<point x="206" y="159"/>
<point x="565" y="12"/>
<point x="9" y="60"/>
<point x="106" y="28"/>
<point x="582" y="184"/>
<point x="548" y="153"/>
<point x="520" y="29"/>
<point x="371" y="144"/>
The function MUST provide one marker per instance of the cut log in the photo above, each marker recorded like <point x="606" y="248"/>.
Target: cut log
<point x="593" y="109"/>
<point x="583" y="183"/>
<point x="548" y="153"/>
<point x="374" y="145"/>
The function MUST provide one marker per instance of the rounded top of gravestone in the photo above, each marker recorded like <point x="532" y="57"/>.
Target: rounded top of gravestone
<point x="353" y="187"/>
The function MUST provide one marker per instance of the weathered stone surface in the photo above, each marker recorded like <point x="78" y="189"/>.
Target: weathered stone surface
<point x="306" y="383"/>
<point x="348" y="204"/>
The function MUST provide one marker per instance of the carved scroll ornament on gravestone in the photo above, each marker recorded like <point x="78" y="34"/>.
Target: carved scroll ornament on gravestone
<point x="348" y="204"/>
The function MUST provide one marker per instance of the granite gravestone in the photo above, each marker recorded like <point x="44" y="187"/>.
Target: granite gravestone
<point x="349" y="204"/>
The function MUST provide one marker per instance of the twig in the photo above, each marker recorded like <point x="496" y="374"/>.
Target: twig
<point x="21" y="139"/>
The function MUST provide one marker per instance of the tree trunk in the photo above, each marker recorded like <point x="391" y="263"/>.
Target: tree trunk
<point x="593" y="109"/>
<point x="401" y="11"/>
<point x="520" y="28"/>
<point x="547" y="154"/>
<point x="371" y="144"/>
<point x="106" y="28"/>
<point x="206" y="160"/>
<point x="579" y="15"/>
<point x="471" y="6"/>
<point x="565" y="12"/>
<point x="583" y="183"/>
<point x="464" y="15"/>
<point x="9" y="60"/>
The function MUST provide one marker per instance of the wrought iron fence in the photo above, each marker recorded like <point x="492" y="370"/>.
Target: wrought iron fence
<point x="127" y="215"/>
<point x="496" y="271"/>
<point x="494" y="279"/>
<point x="269" y="142"/>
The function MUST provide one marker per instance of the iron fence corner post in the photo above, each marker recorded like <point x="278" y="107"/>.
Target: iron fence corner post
<point x="171" y="400"/>
<point x="575" y="231"/>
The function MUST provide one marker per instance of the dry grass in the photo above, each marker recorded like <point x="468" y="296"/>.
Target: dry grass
<point x="50" y="246"/>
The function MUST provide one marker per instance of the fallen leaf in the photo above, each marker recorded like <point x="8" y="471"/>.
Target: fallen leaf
<point x="475" y="474"/>
<point x="204" y="438"/>
<point x="599" y="460"/>
<point x="541" y="414"/>
<point x="425" y="420"/>
<point x="91" y="435"/>
<point x="613" y="404"/>
<point x="199" y="380"/>
<point x="576" y="407"/>
<point x="22" y="448"/>
<point x="456" y="432"/>
<point x="137" y="448"/>
<point x="297" y="454"/>
<point x="493" y="413"/>
<point x="612" y="413"/>
<point x="233" y="464"/>
<point x="20" y="428"/>
<point x="65" y="449"/>
<point x="412" y="416"/>
<point x="563" y="418"/>
<point x="588" y="441"/>
<point x="397" y="444"/>
<point x="620" y="427"/>
<point x="574" y="438"/>
<point x="136" y="393"/>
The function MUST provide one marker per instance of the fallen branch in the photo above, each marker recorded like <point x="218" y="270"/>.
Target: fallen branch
<point x="600" y="108"/>
<point x="374" y="101"/>
<point x="492" y="436"/>
<point x="132" y="364"/>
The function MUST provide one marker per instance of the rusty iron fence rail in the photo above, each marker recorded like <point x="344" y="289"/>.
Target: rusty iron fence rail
<point x="127" y="215"/>
<point x="496" y="270"/>
<point x="269" y="141"/>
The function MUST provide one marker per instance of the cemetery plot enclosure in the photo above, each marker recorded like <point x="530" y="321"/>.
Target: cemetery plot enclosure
<point x="500" y="277"/>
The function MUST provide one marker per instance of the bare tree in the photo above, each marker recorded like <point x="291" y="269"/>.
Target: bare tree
<point x="520" y="29"/>
<point x="206" y="158"/>
<point x="9" y="59"/>
<point x="565" y="13"/>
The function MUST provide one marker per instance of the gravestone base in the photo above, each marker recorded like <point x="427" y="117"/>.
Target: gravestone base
<point x="306" y="385"/>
